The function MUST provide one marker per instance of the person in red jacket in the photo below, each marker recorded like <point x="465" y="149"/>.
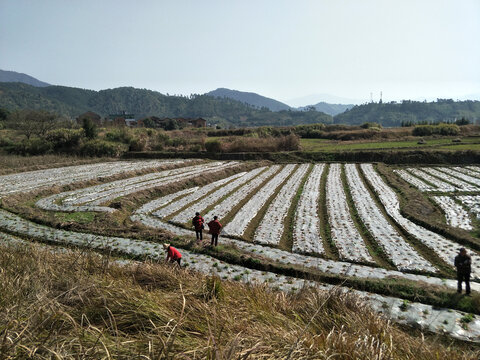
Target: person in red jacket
<point x="198" y="222"/>
<point x="214" y="229"/>
<point x="173" y="255"/>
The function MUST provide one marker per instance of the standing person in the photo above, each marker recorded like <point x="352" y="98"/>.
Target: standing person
<point x="198" y="222"/>
<point x="173" y="255"/>
<point x="463" y="263"/>
<point x="214" y="229"/>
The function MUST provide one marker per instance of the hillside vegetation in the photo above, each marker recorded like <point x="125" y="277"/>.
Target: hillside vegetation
<point x="142" y="102"/>
<point x="249" y="98"/>
<point x="81" y="305"/>
<point x="411" y="112"/>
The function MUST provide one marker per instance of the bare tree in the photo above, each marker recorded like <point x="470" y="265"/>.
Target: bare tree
<point x="33" y="122"/>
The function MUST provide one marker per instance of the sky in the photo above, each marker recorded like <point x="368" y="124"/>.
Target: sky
<point x="296" y="51"/>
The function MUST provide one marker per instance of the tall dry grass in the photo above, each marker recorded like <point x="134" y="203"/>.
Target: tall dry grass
<point x="76" y="305"/>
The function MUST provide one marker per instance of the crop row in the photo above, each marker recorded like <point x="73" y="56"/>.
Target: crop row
<point x="472" y="202"/>
<point x="89" y="199"/>
<point x="306" y="226"/>
<point x="456" y="172"/>
<point x="455" y="214"/>
<point x="459" y="184"/>
<point x="343" y="231"/>
<point x="38" y="179"/>
<point x="225" y="206"/>
<point x="439" y="184"/>
<point x="413" y="180"/>
<point x="404" y="256"/>
<point x="185" y="215"/>
<point x="271" y="228"/>
<point x="240" y="222"/>
<point x="467" y="170"/>
<point x="444" y="248"/>
<point x="192" y="197"/>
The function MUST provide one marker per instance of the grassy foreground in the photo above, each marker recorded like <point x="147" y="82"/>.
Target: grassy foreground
<point x="72" y="305"/>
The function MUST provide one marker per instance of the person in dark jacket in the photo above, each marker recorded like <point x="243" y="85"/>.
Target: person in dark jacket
<point x="173" y="255"/>
<point x="214" y="227"/>
<point x="198" y="223"/>
<point x="463" y="263"/>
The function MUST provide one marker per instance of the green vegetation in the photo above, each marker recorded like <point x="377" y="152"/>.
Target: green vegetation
<point x="143" y="103"/>
<point x="411" y="112"/>
<point x="443" y="143"/>
<point x="80" y="305"/>
<point x="79" y="217"/>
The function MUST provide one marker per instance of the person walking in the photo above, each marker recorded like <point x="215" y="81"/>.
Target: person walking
<point x="173" y="255"/>
<point x="198" y="223"/>
<point x="463" y="263"/>
<point x="214" y="227"/>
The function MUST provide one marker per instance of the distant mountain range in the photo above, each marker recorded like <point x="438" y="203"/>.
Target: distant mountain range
<point x="222" y="106"/>
<point x="260" y="101"/>
<point x="12" y="76"/>
<point x="143" y="103"/>
<point x="330" y="109"/>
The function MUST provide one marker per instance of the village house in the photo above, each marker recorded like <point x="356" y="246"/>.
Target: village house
<point x="123" y="119"/>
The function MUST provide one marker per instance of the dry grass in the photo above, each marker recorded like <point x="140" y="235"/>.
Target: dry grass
<point x="79" y="305"/>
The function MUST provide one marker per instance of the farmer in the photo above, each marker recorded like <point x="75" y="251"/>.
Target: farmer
<point x="197" y="223"/>
<point x="173" y="255"/>
<point x="463" y="263"/>
<point x="214" y="227"/>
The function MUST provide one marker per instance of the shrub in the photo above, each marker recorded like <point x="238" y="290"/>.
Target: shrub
<point x="441" y="129"/>
<point x="214" y="146"/>
<point x="102" y="148"/>
<point x="121" y="134"/>
<point x="448" y="129"/>
<point x="137" y="144"/>
<point x="90" y="128"/>
<point x="423" y="130"/>
<point x="35" y="146"/>
<point x="288" y="143"/>
<point x="65" y="139"/>
<point x="247" y="144"/>
<point x="195" y="148"/>
<point x="371" y="125"/>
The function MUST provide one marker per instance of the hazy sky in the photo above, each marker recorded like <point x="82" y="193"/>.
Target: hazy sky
<point x="284" y="49"/>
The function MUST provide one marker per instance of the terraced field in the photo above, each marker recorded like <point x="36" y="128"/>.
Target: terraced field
<point x="340" y="220"/>
<point x="455" y="189"/>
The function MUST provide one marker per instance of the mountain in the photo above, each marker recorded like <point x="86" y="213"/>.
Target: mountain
<point x="250" y="98"/>
<point x="143" y="103"/>
<point x="321" y="98"/>
<point x="12" y="76"/>
<point x="330" y="109"/>
<point x="408" y="111"/>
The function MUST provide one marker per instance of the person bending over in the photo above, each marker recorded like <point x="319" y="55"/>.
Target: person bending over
<point x="173" y="255"/>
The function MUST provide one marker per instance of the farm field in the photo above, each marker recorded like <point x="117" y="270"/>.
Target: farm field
<point x="287" y="225"/>
<point x="467" y="143"/>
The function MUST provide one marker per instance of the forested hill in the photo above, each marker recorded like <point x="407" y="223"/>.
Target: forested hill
<point x="249" y="98"/>
<point x="141" y="102"/>
<point x="394" y="114"/>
